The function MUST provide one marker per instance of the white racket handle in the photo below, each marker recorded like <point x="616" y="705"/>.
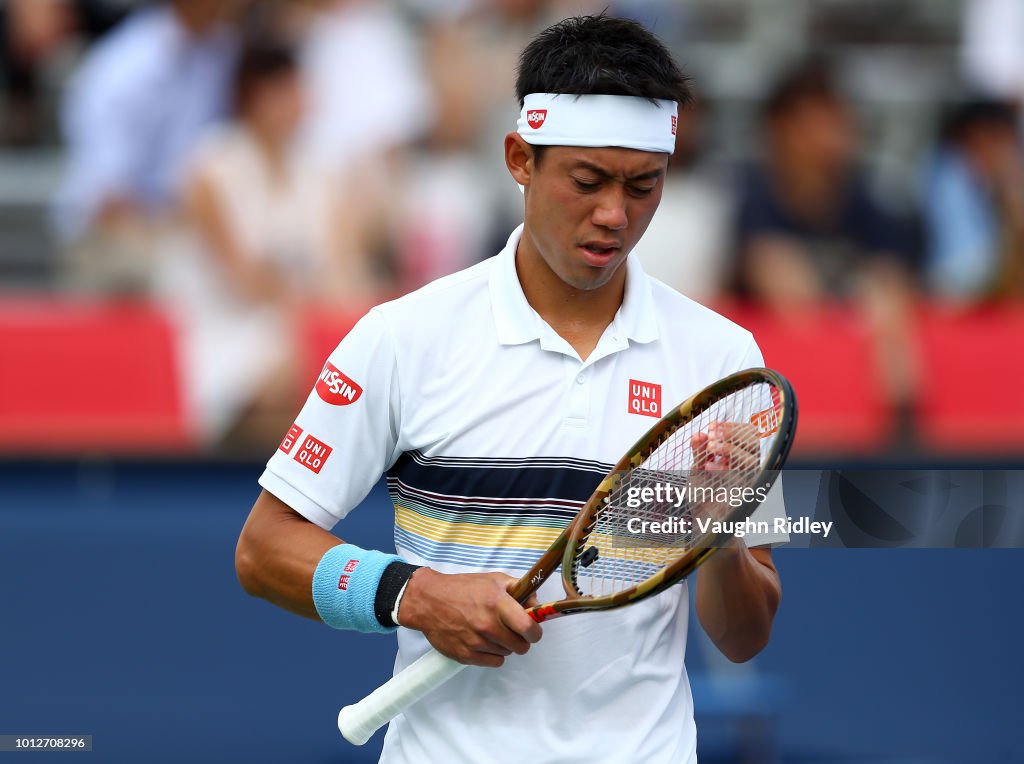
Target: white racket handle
<point x="359" y="721"/>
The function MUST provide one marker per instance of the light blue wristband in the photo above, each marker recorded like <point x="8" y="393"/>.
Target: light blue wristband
<point x="345" y="586"/>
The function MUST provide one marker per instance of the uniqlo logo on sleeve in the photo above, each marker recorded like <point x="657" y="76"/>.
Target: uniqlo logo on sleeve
<point x="294" y="433"/>
<point x="644" y="398"/>
<point x="313" y="454"/>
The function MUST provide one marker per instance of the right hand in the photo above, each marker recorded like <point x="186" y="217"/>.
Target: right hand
<point x="470" y="617"/>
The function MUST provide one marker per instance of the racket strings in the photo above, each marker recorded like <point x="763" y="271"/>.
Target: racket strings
<point x="691" y="476"/>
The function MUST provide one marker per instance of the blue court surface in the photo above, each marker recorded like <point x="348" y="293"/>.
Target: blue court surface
<point x="121" y="618"/>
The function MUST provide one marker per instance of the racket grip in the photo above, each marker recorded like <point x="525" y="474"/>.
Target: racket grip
<point x="359" y="721"/>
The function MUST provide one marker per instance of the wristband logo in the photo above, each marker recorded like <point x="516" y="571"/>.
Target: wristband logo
<point x="335" y="388"/>
<point x="345" y="577"/>
<point x="535" y="118"/>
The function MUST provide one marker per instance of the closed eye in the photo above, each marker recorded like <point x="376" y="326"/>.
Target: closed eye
<point x="640" y="191"/>
<point x="586" y="185"/>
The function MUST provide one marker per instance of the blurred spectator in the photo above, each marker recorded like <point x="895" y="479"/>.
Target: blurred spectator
<point x="686" y="244"/>
<point x="367" y="92"/>
<point x="447" y="207"/>
<point x="809" y="230"/>
<point x="133" y="112"/>
<point x="266" y="235"/>
<point x="39" y="40"/>
<point x="974" y="205"/>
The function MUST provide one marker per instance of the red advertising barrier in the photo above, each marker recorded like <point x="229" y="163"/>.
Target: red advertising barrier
<point x="104" y="377"/>
<point x="88" y="377"/>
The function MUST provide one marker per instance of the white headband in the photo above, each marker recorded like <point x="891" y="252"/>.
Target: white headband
<point x="552" y="119"/>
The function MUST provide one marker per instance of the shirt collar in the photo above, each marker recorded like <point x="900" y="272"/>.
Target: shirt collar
<point x="518" y="323"/>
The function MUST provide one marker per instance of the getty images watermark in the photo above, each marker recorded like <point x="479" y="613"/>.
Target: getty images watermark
<point x="888" y="508"/>
<point x="672" y="509"/>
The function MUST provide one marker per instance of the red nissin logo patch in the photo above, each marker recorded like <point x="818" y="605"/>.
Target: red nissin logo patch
<point x="335" y="388"/>
<point x="675" y="124"/>
<point x="313" y="454"/>
<point x="644" y="398"/>
<point x="294" y="433"/>
<point x="535" y="118"/>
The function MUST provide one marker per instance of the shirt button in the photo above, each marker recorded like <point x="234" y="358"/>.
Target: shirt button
<point x="581" y="379"/>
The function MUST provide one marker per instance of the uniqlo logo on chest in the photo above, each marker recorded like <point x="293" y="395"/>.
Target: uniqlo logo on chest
<point x="294" y="433"/>
<point x="644" y="398"/>
<point x="313" y="454"/>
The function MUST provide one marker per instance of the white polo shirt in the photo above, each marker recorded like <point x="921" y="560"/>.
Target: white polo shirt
<point x="493" y="433"/>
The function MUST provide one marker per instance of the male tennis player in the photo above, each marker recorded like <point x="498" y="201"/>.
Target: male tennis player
<point x="495" y="399"/>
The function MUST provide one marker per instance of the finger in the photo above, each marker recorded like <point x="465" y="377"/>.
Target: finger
<point x="717" y="450"/>
<point x="487" y="660"/>
<point x="519" y="623"/>
<point x="531" y="601"/>
<point x="699" y="444"/>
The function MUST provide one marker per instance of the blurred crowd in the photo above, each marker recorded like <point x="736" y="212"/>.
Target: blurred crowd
<point x="243" y="160"/>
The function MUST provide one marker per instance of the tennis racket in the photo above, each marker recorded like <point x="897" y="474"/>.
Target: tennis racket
<point x="715" y="456"/>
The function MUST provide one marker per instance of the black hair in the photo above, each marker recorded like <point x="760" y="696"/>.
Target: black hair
<point x="810" y="80"/>
<point x="601" y="55"/>
<point x="257" y="64"/>
<point x="976" y="113"/>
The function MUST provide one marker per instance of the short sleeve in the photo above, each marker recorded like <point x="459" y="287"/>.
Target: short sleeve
<point x="774" y="505"/>
<point x="346" y="434"/>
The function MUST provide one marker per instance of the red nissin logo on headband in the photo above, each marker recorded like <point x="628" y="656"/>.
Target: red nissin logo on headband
<point x="535" y="118"/>
<point x="675" y="122"/>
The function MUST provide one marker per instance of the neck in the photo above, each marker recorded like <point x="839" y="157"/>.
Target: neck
<point x="273" y="148"/>
<point x="810" y="191"/>
<point x="196" y="19"/>
<point x="579" y="316"/>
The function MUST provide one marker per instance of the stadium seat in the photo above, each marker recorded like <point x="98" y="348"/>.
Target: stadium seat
<point x="320" y="332"/>
<point x="826" y="354"/>
<point x="973" y="361"/>
<point x="88" y="376"/>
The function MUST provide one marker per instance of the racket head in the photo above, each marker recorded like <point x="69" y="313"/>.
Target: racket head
<point x="756" y="411"/>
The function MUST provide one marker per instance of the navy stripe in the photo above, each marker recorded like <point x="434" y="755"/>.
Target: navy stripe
<point x="500" y="482"/>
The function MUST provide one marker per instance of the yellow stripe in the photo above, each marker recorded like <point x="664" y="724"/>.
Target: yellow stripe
<point x="475" y="534"/>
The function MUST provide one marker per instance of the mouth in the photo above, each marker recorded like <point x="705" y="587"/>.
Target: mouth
<point x="599" y="253"/>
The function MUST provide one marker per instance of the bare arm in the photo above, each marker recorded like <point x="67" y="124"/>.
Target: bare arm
<point x="738" y="592"/>
<point x="469" y="617"/>
<point x="738" y="589"/>
<point x="277" y="553"/>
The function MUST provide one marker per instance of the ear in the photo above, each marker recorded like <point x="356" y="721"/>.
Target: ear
<point x="519" y="158"/>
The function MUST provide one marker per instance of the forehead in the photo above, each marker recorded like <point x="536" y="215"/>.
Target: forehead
<point x="610" y="160"/>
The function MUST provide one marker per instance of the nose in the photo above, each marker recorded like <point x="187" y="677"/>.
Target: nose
<point x="610" y="211"/>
